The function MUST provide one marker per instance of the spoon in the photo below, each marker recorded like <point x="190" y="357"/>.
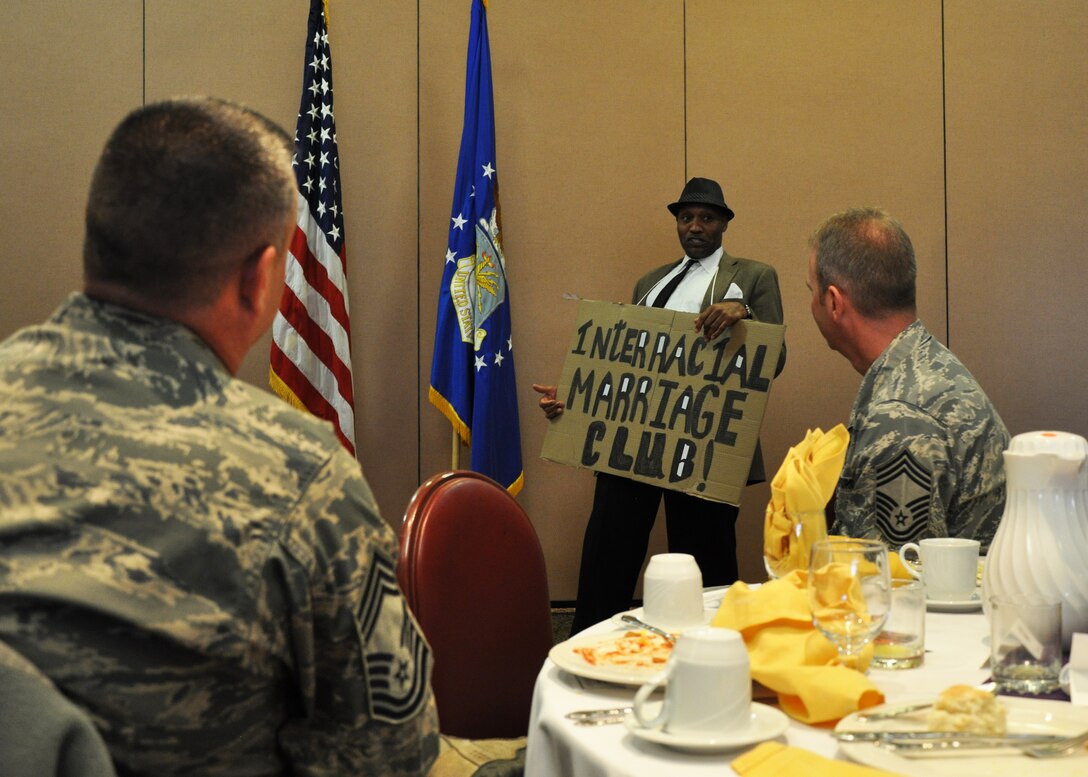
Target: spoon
<point x="628" y="618"/>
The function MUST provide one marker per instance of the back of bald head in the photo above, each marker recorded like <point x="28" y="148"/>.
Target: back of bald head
<point x="868" y="254"/>
<point x="184" y="192"/>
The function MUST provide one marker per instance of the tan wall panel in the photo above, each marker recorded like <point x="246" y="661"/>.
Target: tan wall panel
<point x="253" y="54"/>
<point x="443" y="42"/>
<point x="70" y="71"/>
<point x="802" y="110"/>
<point x="1017" y="193"/>
<point x="589" y="144"/>
<point x="374" y="50"/>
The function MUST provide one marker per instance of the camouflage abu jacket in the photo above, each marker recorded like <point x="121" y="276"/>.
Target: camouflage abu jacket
<point x="925" y="454"/>
<point x="198" y="565"/>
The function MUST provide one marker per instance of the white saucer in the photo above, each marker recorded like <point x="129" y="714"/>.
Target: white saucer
<point x="765" y="723"/>
<point x="956" y="605"/>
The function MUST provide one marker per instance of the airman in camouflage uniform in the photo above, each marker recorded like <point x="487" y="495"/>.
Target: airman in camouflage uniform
<point x="195" y="563"/>
<point x="925" y="454"/>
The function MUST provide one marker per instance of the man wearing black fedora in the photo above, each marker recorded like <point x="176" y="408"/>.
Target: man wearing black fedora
<point x="719" y="290"/>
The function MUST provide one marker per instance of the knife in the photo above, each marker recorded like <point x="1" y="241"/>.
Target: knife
<point x="943" y="739"/>
<point x="894" y="712"/>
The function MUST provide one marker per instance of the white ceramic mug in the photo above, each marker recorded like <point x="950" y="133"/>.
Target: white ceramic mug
<point x="672" y="591"/>
<point x="709" y="686"/>
<point x="949" y="567"/>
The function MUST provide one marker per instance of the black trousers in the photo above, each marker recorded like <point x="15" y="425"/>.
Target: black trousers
<point x="618" y="534"/>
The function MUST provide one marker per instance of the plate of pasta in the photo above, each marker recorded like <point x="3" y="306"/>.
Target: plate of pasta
<point x="628" y="657"/>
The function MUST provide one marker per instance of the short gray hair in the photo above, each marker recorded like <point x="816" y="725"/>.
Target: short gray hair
<point x="867" y="253"/>
<point x="184" y="191"/>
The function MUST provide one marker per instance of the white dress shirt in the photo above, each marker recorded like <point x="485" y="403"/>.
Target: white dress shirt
<point x="688" y="297"/>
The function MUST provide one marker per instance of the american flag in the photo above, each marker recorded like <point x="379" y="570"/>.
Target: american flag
<point x="310" y="364"/>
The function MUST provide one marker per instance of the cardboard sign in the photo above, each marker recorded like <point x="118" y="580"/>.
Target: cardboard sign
<point x="649" y="399"/>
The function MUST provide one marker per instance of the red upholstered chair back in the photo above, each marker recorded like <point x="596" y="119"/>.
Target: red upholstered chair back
<point x="472" y="571"/>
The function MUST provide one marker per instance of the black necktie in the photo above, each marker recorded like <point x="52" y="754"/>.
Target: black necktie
<point x="663" y="295"/>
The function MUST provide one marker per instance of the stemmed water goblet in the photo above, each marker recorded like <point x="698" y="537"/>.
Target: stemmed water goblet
<point x="788" y="540"/>
<point x="849" y="589"/>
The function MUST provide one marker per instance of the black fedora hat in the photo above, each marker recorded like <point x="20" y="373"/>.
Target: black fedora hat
<point x="702" y="191"/>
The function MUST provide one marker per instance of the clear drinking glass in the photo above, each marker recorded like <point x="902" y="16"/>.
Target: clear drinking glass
<point x="787" y="550"/>
<point x="1026" y="644"/>
<point x="901" y="644"/>
<point x="849" y="593"/>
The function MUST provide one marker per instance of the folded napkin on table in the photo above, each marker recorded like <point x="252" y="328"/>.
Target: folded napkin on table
<point x="804" y="484"/>
<point x="773" y="759"/>
<point x="789" y="656"/>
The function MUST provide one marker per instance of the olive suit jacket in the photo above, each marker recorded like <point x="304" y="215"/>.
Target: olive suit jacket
<point x="758" y="283"/>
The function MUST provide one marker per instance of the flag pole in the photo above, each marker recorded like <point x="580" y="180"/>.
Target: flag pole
<point x="455" y="455"/>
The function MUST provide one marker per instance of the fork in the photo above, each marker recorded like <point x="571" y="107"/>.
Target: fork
<point x="1053" y="747"/>
<point x="628" y="618"/>
<point x="1058" y="748"/>
<point x="598" y="717"/>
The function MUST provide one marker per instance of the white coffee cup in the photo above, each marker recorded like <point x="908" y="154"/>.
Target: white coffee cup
<point x="672" y="591"/>
<point x="949" y="567"/>
<point x="709" y="686"/>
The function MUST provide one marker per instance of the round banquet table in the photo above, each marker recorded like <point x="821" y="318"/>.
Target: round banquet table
<point x="957" y="648"/>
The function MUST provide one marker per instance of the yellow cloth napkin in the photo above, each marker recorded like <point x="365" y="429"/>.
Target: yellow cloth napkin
<point x="804" y="484"/>
<point x="896" y="568"/>
<point x="789" y="656"/>
<point x="773" y="759"/>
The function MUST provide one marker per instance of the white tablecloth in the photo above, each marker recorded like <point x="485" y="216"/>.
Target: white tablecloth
<point x="956" y="645"/>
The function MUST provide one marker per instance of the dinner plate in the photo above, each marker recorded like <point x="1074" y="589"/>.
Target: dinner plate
<point x="565" y="658"/>
<point x="765" y="723"/>
<point x="1028" y="716"/>
<point x="956" y="605"/>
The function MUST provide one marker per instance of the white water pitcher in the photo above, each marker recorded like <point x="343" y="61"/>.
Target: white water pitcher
<point x="1040" y="550"/>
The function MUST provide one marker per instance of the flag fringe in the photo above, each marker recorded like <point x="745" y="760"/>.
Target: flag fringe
<point x="465" y="433"/>
<point x="448" y="410"/>
<point x="284" y="392"/>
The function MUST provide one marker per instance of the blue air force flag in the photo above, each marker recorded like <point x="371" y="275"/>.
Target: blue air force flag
<point x="472" y="375"/>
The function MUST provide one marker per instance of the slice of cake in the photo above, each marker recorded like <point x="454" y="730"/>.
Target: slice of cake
<point x="963" y="708"/>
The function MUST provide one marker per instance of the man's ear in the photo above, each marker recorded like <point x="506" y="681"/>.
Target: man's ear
<point x="836" y="301"/>
<point x="259" y="273"/>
